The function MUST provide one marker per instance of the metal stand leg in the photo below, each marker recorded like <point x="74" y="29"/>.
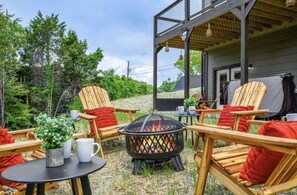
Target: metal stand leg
<point x="85" y="183"/>
<point x="40" y="189"/>
<point x="177" y="163"/>
<point x="74" y="186"/>
<point x="30" y="189"/>
<point x="138" y="165"/>
<point x="187" y="120"/>
<point x="192" y="136"/>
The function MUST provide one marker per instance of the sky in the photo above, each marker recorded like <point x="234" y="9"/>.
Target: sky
<point x="123" y="29"/>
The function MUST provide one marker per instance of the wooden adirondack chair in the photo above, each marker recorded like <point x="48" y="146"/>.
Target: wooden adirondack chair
<point x="32" y="145"/>
<point x="249" y="94"/>
<point x="224" y="163"/>
<point x="93" y="97"/>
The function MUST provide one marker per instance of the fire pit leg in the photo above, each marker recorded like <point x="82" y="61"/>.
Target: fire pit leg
<point x="177" y="163"/>
<point x="138" y="165"/>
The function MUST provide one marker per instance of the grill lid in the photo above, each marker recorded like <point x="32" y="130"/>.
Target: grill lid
<point x="152" y="123"/>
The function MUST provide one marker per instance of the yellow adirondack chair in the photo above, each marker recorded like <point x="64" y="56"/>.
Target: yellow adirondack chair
<point x="249" y="94"/>
<point x="94" y="97"/>
<point x="225" y="163"/>
<point x="30" y="145"/>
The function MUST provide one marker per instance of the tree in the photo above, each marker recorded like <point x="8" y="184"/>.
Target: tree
<point x="77" y="65"/>
<point x="120" y="86"/>
<point x="42" y="52"/>
<point x="11" y="91"/>
<point x="195" y="63"/>
<point x="167" y="86"/>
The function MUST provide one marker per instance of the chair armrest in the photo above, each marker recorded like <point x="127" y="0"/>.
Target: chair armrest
<point x="209" y="111"/>
<point x="127" y="110"/>
<point x="250" y="112"/>
<point x="259" y="122"/>
<point x="283" y="145"/>
<point x="19" y="147"/>
<point x="86" y="116"/>
<point x="214" y="126"/>
<point x="78" y="135"/>
<point x="21" y="133"/>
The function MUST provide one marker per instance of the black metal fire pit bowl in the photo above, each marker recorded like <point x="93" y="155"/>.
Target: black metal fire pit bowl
<point x="154" y="138"/>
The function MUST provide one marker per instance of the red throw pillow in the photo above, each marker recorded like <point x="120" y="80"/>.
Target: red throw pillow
<point x="7" y="161"/>
<point x="261" y="162"/>
<point x="105" y="117"/>
<point x="227" y="119"/>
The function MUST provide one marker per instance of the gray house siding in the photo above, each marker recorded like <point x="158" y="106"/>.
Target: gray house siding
<point x="270" y="55"/>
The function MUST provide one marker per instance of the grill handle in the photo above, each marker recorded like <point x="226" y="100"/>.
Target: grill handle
<point x="122" y="130"/>
<point x="185" y="124"/>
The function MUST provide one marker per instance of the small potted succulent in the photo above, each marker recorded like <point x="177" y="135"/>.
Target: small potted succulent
<point x="190" y="104"/>
<point x="54" y="132"/>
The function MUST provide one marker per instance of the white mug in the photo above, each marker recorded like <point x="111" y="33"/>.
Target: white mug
<point x="290" y="117"/>
<point x="192" y="109"/>
<point x="74" y="114"/>
<point x="180" y="109"/>
<point x="85" y="149"/>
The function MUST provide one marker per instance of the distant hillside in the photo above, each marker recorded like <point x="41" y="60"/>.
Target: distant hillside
<point x="145" y="103"/>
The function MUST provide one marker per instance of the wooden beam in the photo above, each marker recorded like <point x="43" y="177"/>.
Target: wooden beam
<point x="274" y="9"/>
<point x="155" y="76"/>
<point x="244" y="46"/>
<point x="266" y="14"/>
<point x="205" y="16"/>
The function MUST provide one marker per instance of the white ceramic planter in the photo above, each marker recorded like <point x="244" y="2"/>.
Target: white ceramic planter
<point x="192" y="109"/>
<point x="67" y="148"/>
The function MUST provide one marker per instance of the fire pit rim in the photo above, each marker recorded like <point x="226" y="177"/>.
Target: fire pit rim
<point x="178" y="125"/>
<point x="123" y="131"/>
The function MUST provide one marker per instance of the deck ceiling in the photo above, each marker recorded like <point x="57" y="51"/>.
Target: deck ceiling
<point x="265" y="17"/>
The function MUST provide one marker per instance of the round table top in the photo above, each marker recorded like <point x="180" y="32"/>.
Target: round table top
<point x="36" y="171"/>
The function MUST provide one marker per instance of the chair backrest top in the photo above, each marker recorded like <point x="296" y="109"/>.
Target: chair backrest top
<point x="249" y="94"/>
<point x="93" y="97"/>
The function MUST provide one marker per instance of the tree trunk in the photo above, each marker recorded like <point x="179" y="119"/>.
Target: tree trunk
<point x="61" y="98"/>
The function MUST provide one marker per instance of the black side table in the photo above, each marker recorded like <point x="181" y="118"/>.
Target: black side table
<point x="187" y="116"/>
<point x="36" y="172"/>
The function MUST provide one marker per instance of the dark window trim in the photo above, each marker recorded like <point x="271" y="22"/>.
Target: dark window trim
<point x="214" y="71"/>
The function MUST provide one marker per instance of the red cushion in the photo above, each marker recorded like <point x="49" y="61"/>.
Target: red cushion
<point x="261" y="162"/>
<point x="227" y="119"/>
<point x="105" y="117"/>
<point x="7" y="161"/>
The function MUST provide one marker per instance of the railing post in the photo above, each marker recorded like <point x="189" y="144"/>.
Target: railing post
<point x="186" y="38"/>
<point x="155" y="66"/>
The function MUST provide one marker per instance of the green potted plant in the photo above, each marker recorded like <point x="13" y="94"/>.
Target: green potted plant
<point x="190" y="105"/>
<point x="54" y="132"/>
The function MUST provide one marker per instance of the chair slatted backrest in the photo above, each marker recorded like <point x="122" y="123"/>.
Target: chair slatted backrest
<point x="249" y="94"/>
<point x="286" y="170"/>
<point x="93" y="97"/>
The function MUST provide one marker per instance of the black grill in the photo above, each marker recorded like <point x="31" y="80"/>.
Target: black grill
<point x="154" y="138"/>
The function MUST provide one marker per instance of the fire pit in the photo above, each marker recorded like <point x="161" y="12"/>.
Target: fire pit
<point x="154" y="139"/>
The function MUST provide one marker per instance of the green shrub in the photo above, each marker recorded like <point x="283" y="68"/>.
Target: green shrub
<point x="53" y="131"/>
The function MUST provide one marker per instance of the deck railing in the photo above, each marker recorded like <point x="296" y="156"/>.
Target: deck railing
<point x="175" y="15"/>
